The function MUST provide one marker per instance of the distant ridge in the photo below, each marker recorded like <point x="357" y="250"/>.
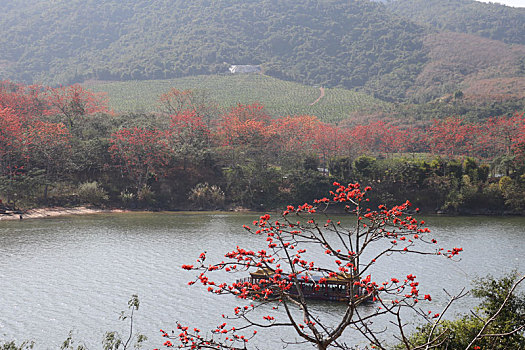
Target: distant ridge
<point x="346" y="43"/>
<point x="489" y="20"/>
<point x="380" y="48"/>
<point x="476" y="65"/>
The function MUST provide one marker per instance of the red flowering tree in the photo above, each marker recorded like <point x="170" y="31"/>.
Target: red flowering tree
<point x="189" y="136"/>
<point x="26" y="100"/>
<point x="293" y="138"/>
<point x="12" y="141"/>
<point x="308" y="255"/>
<point x="518" y="145"/>
<point x="244" y="129"/>
<point x="176" y="102"/>
<point x="294" y="133"/>
<point x="140" y="154"/>
<point x="49" y="150"/>
<point x="74" y="102"/>
<point x="413" y="138"/>
<point x="378" y="136"/>
<point x="452" y="136"/>
<point x="501" y="134"/>
<point x="13" y="153"/>
<point x="328" y="140"/>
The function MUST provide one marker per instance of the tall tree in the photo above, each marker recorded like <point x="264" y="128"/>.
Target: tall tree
<point x="308" y="255"/>
<point x="49" y="150"/>
<point x="74" y="102"/>
<point x="189" y="137"/>
<point x="140" y="154"/>
<point x="244" y="129"/>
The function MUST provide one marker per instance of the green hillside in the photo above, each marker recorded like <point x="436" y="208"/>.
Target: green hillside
<point x="493" y="21"/>
<point x="344" y="43"/>
<point x="380" y="48"/>
<point x="278" y="96"/>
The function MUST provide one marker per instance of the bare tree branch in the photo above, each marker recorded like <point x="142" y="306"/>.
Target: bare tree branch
<point x="493" y="317"/>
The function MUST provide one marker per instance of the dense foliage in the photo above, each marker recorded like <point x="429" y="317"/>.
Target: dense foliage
<point x="354" y="44"/>
<point x="510" y="320"/>
<point x="334" y="43"/>
<point x="62" y="146"/>
<point x="491" y="20"/>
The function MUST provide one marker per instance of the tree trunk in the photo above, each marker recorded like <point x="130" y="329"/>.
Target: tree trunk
<point x="46" y="186"/>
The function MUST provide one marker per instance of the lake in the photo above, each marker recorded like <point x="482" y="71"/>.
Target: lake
<point x="77" y="273"/>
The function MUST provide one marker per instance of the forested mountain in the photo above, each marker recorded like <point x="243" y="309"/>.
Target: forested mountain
<point x="490" y="20"/>
<point x="355" y="44"/>
<point x="344" y="43"/>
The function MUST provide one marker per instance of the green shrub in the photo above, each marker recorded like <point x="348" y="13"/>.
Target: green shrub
<point x="127" y="197"/>
<point x="12" y="346"/>
<point x="205" y="196"/>
<point x="146" y="196"/>
<point x="92" y="193"/>
<point x="458" y="333"/>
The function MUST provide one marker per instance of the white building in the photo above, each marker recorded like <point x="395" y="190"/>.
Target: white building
<point x="244" y="69"/>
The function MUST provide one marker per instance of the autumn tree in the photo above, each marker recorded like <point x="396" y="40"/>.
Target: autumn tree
<point x="28" y="101"/>
<point x="378" y="136"/>
<point x="502" y="140"/>
<point x="73" y="103"/>
<point x="176" y="102"/>
<point x="306" y="252"/>
<point x="327" y="141"/>
<point x="189" y="137"/>
<point x="12" y="143"/>
<point x="13" y="153"/>
<point x="502" y="133"/>
<point x="452" y="136"/>
<point x="294" y="135"/>
<point x="244" y="130"/>
<point x="518" y="146"/>
<point x="49" y="150"/>
<point x="36" y="149"/>
<point x="140" y="154"/>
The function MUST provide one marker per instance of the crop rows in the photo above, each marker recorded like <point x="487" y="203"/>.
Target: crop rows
<point x="278" y="96"/>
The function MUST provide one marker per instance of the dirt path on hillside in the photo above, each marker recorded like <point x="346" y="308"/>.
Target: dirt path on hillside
<point x="320" y="96"/>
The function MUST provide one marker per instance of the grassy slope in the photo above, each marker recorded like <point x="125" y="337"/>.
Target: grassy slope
<point x="278" y="96"/>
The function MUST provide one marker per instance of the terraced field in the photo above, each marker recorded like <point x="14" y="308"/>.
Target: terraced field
<point x="278" y="96"/>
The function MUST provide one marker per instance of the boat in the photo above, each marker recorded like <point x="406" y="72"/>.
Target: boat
<point x="265" y="283"/>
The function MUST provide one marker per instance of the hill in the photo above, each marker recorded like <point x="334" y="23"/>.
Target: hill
<point x="480" y="67"/>
<point x="345" y="43"/>
<point x="490" y="20"/>
<point x="280" y="98"/>
<point x="392" y="50"/>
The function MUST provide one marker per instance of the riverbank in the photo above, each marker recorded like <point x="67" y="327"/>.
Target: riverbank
<point x="40" y="213"/>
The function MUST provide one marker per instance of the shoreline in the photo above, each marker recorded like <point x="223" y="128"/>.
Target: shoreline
<point x="40" y="213"/>
<point x="49" y="212"/>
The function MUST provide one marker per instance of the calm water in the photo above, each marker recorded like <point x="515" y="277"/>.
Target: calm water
<point x="77" y="273"/>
